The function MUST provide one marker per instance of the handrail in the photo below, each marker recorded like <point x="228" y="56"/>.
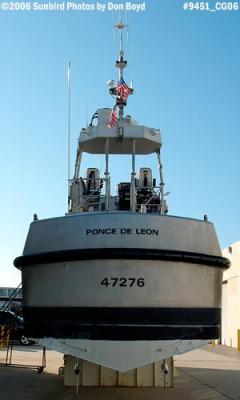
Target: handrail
<point x="13" y="296"/>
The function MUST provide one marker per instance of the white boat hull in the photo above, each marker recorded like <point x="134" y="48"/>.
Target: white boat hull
<point x="115" y="283"/>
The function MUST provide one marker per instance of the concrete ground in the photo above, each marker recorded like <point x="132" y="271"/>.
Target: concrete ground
<point x="211" y="373"/>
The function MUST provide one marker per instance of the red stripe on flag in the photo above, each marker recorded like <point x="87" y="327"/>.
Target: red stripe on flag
<point x="113" y="119"/>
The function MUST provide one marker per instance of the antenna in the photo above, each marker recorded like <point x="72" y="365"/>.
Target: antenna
<point x="119" y="15"/>
<point x="69" y="124"/>
<point x="131" y="81"/>
<point x="126" y="16"/>
<point x="113" y="27"/>
<point x="86" y="106"/>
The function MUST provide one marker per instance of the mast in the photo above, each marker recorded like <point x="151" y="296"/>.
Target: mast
<point x="121" y="63"/>
<point x="122" y="91"/>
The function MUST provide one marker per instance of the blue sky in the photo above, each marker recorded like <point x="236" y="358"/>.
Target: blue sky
<point x="186" y="70"/>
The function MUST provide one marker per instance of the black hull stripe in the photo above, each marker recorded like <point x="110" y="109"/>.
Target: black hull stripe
<point x="121" y="253"/>
<point x="124" y="333"/>
<point x="123" y="323"/>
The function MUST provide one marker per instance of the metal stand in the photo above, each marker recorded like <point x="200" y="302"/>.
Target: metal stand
<point x="8" y="359"/>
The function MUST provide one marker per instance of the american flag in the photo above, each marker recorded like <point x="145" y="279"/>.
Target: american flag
<point x="123" y="89"/>
<point x="113" y="117"/>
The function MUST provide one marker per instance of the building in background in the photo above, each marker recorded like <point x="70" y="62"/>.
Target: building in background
<point x="231" y="297"/>
<point x="12" y="296"/>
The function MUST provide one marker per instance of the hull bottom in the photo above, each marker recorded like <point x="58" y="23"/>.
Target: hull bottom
<point x="121" y="355"/>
